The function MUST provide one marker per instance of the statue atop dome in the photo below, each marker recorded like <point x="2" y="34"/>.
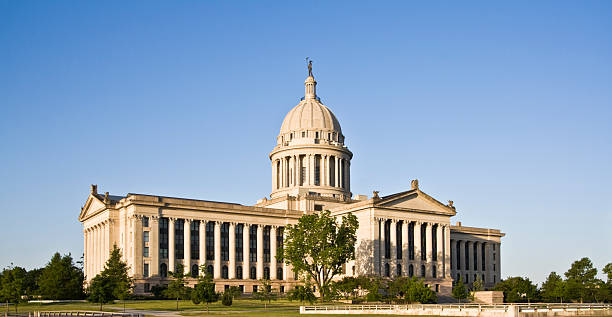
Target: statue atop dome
<point x="309" y="66"/>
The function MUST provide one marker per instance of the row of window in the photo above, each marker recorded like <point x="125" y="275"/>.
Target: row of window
<point x="471" y="247"/>
<point x="302" y="164"/>
<point x="399" y="242"/>
<point x="195" y="271"/>
<point x="210" y="241"/>
<point x="281" y="288"/>
<point x="398" y="271"/>
<point x="467" y="278"/>
<point x="330" y="136"/>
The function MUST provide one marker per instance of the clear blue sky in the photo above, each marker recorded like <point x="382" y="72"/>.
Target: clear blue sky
<point x="504" y="108"/>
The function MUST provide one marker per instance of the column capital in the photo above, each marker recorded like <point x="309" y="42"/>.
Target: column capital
<point x="155" y="218"/>
<point x="188" y="220"/>
<point x="172" y="219"/>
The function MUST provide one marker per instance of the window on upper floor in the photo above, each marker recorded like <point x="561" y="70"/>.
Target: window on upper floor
<point x="145" y="222"/>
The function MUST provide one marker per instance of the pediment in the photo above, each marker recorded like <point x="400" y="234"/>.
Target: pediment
<point x="415" y="200"/>
<point x="92" y="207"/>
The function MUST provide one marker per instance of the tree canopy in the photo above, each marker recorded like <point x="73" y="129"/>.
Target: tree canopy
<point x="459" y="290"/>
<point x="61" y="279"/>
<point x="518" y="290"/>
<point x="318" y="246"/>
<point x="113" y="282"/>
<point x="204" y="291"/>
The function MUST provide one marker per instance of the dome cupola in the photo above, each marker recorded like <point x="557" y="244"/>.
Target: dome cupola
<point x="310" y="157"/>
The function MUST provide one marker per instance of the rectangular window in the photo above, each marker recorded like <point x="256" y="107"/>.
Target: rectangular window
<point x="210" y="240"/>
<point x="316" y="135"/>
<point x="254" y="288"/>
<point x="239" y="243"/>
<point x="266" y="244"/>
<point x="145" y="270"/>
<point x="475" y="254"/>
<point x="434" y="243"/>
<point x="145" y="252"/>
<point x="332" y="171"/>
<point x="225" y="241"/>
<point x="195" y="239"/>
<point x="179" y="238"/>
<point x="145" y="222"/>
<point x="253" y="243"/>
<point x="317" y="170"/>
<point x="411" y="241"/>
<point x="423" y="243"/>
<point x="387" y="228"/>
<point x="279" y="244"/>
<point x="145" y="236"/>
<point x="163" y="238"/>
<point x="398" y="238"/>
<point x="318" y="207"/>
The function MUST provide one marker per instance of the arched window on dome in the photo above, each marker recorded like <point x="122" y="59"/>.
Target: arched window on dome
<point x="302" y="170"/>
<point x="278" y="174"/>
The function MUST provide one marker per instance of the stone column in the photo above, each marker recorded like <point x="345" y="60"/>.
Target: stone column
<point x="187" y="246"/>
<point x="85" y="260"/>
<point x="393" y="246"/>
<point x="231" y="266"/>
<point x="429" y="249"/>
<point x="417" y="248"/>
<point x="327" y="170"/>
<point x="376" y="245"/>
<point x="202" y="234"/>
<point x="154" y="245"/>
<point x="273" y="252"/>
<point x="340" y="173"/>
<point x="107" y="230"/>
<point x="461" y="257"/>
<point x="171" y="253"/>
<point x="217" y="267"/>
<point x="447" y="251"/>
<point x="440" y="251"/>
<point x="479" y="259"/>
<point x="260" y="259"/>
<point x="405" y="247"/>
<point x="337" y="172"/>
<point x="489" y="263"/>
<point x="287" y="273"/>
<point x="246" y="267"/>
<point x="347" y="173"/>
<point x="311" y="170"/>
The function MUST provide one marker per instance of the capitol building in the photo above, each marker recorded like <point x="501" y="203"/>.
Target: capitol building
<point x="404" y="234"/>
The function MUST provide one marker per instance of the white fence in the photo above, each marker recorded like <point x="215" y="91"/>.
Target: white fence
<point x="465" y="309"/>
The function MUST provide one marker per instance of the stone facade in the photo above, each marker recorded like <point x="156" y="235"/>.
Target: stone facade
<point x="407" y="233"/>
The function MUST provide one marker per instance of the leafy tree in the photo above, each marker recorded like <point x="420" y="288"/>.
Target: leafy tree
<point x="265" y="293"/>
<point x="176" y="287"/>
<point x="517" y="290"/>
<point x="347" y="287"/>
<point x="477" y="285"/>
<point x="608" y="271"/>
<point x="416" y="291"/>
<point x="302" y="293"/>
<point x="61" y="279"/>
<point x="12" y="285"/>
<point x="101" y="290"/>
<point x="318" y="246"/>
<point x="459" y="290"/>
<point x="553" y="289"/>
<point x="204" y="291"/>
<point x="227" y="298"/>
<point x="113" y="282"/>
<point x="581" y="281"/>
<point x="31" y="282"/>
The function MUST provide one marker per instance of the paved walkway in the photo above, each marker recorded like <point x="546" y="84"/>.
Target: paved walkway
<point x="174" y="313"/>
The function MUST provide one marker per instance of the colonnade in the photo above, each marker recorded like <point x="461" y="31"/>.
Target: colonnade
<point x="472" y="259"/>
<point x="311" y="170"/>
<point x="225" y="261"/>
<point x="411" y="248"/>
<point x="96" y="247"/>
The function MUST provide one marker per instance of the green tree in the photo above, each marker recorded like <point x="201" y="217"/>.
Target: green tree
<point x="204" y="291"/>
<point x="265" y="292"/>
<point x="347" y="287"/>
<point x="113" y="282"/>
<point x="228" y="298"/>
<point x="553" y="289"/>
<point x="302" y="293"/>
<point x="61" y="279"/>
<point x="459" y="290"/>
<point x="608" y="271"/>
<point x="12" y="285"/>
<point x="517" y="290"/>
<point x="101" y="290"/>
<point x="581" y="281"/>
<point x="416" y="291"/>
<point x="318" y="246"/>
<point x="176" y="287"/>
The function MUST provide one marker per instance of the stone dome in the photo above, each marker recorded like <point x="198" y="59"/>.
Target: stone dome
<point x="310" y="114"/>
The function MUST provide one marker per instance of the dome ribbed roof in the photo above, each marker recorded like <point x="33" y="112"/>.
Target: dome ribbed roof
<point x="310" y="114"/>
